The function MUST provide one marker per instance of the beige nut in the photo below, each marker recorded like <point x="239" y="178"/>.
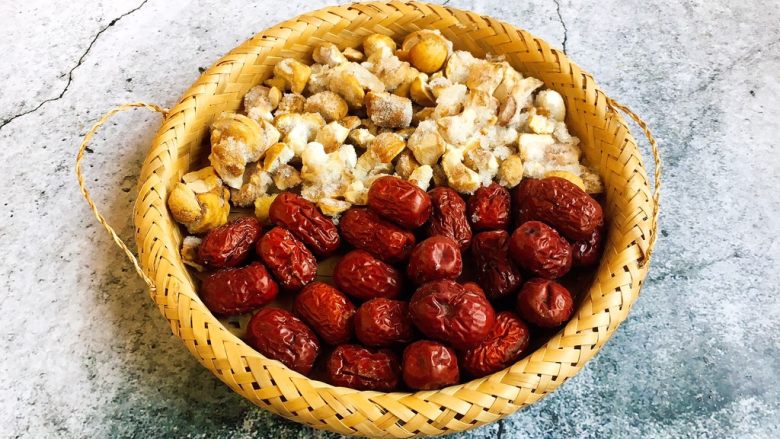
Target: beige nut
<point x="319" y="80"/>
<point x="286" y="177"/>
<point x="235" y="141"/>
<point x="277" y="155"/>
<point x="294" y="73"/>
<point x="360" y="137"/>
<point x="328" y="53"/>
<point x="260" y="101"/>
<point x="378" y="43"/>
<point x="298" y="129"/>
<point x="291" y="103"/>
<point x="551" y="101"/>
<point x="422" y="177"/>
<point x="406" y="164"/>
<point x="485" y="76"/>
<point x="424" y="114"/>
<point x="510" y="172"/>
<point x="331" y="136"/>
<point x="427" y="50"/>
<point x="484" y="163"/>
<point x="202" y="180"/>
<point x="459" y="65"/>
<point x="330" y="105"/>
<point x="439" y="177"/>
<point x="591" y="180"/>
<point x="189" y="252"/>
<point x="277" y="82"/>
<point x="350" y="122"/>
<point x="357" y="193"/>
<point x="459" y="177"/>
<point x="263" y="206"/>
<point x="199" y="212"/>
<point x="387" y="110"/>
<point x="426" y="143"/>
<point x="541" y="124"/>
<point x="256" y="183"/>
<point x="387" y="146"/>
<point x="348" y="87"/>
<point x="333" y="207"/>
<point x="353" y="54"/>
<point x="420" y="92"/>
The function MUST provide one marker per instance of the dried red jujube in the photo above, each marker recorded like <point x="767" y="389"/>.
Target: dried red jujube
<point x="496" y="273"/>
<point x="437" y="257"/>
<point x="428" y="365"/>
<point x="301" y="217"/>
<point x="505" y="344"/>
<point x="233" y="291"/>
<point x="292" y="264"/>
<point x="538" y="248"/>
<point x="364" y="277"/>
<point x="230" y="244"/>
<point x="449" y="216"/>
<point x="281" y="336"/>
<point x="327" y="310"/>
<point x="399" y="201"/>
<point x="490" y="208"/>
<point x="545" y="303"/>
<point x="363" y="369"/>
<point x="364" y="229"/>
<point x="587" y="252"/>
<point x="383" y="322"/>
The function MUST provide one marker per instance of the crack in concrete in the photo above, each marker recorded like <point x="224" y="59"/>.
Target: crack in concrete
<point x="70" y="72"/>
<point x="563" y="24"/>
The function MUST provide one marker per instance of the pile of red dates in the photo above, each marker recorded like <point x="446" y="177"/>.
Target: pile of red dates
<point x="401" y="314"/>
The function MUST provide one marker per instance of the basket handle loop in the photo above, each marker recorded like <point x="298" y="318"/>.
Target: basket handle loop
<point x="657" y="175"/>
<point x="86" y="194"/>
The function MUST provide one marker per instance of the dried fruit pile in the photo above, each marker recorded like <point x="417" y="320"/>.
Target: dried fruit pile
<point x="401" y="313"/>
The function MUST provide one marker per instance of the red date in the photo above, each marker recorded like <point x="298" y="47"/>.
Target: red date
<point x="559" y="203"/>
<point x="444" y="310"/>
<point x="327" y="310"/>
<point x="364" y="229"/>
<point x="538" y="248"/>
<point x="505" y="344"/>
<point x="363" y="369"/>
<point x="399" y="201"/>
<point x="365" y="277"/>
<point x="474" y="288"/>
<point x="428" y="365"/>
<point x="301" y="217"/>
<point x="438" y="257"/>
<point x="449" y="216"/>
<point x="281" y="336"/>
<point x="495" y="270"/>
<point x="489" y="208"/>
<point x="587" y="252"/>
<point x="545" y="303"/>
<point x="235" y="291"/>
<point x="383" y="322"/>
<point x="290" y="261"/>
<point x="229" y="245"/>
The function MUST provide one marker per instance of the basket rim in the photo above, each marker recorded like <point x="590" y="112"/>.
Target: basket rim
<point x="159" y="256"/>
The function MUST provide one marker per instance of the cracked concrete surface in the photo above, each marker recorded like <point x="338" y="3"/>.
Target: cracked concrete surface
<point x="86" y="354"/>
<point x="70" y="72"/>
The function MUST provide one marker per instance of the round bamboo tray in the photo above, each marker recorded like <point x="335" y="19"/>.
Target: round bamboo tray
<point x="631" y="208"/>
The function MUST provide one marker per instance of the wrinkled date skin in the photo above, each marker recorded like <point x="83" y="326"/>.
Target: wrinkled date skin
<point x="399" y="201"/>
<point x="235" y="291"/>
<point x="490" y="208"/>
<point x="449" y="216"/>
<point x="587" y="252"/>
<point x="428" y="365"/>
<point x="383" y="322"/>
<point x="363" y="369"/>
<point x="279" y="335"/>
<point x="365" y="230"/>
<point x="292" y="264"/>
<point x="545" y="303"/>
<point x="559" y="203"/>
<point x="327" y="310"/>
<point x="538" y="248"/>
<point x="495" y="270"/>
<point x="505" y="344"/>
<point x="474" y="288"/>
<point x="437" y="257"/>
<point x="306" y="222"/>
<point x="365" y="277"/>
<point x="444" y="310"/>
<point x="229" y="245"/>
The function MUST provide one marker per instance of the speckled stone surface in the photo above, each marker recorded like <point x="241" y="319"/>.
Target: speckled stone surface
<point x="86" y="354"/>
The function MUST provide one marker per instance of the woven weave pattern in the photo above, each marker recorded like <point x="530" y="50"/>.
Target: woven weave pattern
<point x="606" y="143"/>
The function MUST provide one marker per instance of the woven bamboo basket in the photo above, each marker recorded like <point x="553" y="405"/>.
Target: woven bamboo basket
<point x="631" y="208"/>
